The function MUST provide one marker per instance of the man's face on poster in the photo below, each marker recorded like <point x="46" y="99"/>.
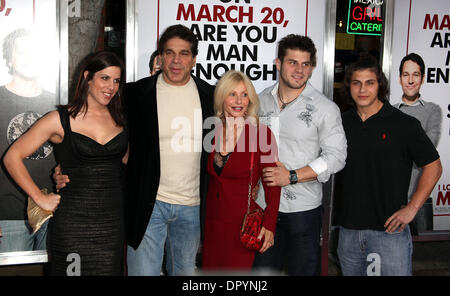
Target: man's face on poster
<point x="23" y="59"/>
<point x="411" y="80"/>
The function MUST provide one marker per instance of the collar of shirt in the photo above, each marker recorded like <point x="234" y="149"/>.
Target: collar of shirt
<point x="419" y="102"/>
<point x="385" y="111"/>
<point x="307" y="92"/>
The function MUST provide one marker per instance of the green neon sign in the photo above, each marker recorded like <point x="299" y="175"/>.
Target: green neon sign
<point x="365" y="17"/>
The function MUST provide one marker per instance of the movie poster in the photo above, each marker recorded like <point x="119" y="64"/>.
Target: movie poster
<point x="423" y="27"/>
<point x="240" y="35"/>
<point x="29" y="87"/>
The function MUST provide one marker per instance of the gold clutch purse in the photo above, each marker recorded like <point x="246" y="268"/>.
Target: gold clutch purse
<point x="36" y="215"/>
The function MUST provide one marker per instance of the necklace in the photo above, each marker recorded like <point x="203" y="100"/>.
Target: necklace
<point x="283" y="104"/>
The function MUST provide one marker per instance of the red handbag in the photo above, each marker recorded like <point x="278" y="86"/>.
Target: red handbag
<point x="252" y="224"/>
<point x="251" y="227"/>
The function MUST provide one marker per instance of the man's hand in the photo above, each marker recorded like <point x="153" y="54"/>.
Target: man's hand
<point x="430" y="175"/>
<point x="60" y="179"/>
<point x="400" y="219"/>
<point x="276" y="176"/>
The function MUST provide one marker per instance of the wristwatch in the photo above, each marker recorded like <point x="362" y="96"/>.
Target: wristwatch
<point x="293" y="177"/>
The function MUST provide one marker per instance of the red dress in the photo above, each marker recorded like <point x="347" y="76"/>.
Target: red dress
<point x="227" y="198"/>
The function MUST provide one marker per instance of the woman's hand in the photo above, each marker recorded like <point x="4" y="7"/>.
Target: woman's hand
<point x="48" y="202"/>
<point x="60" y="179"/>
<point x="268" y="239"/>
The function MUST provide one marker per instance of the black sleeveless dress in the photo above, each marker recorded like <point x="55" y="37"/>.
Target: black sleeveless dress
<point x="86" y="234"/>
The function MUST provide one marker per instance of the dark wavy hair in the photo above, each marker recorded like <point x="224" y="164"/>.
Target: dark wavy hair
<point x="371" y="64"/>
<point x="297" y="42"/>
<point x="93" y="63"/>
<point x="152" y="59"/>
<point x="178" y="31"/>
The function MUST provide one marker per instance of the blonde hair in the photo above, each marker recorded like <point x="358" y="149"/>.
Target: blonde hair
<point x="226" y="85"/>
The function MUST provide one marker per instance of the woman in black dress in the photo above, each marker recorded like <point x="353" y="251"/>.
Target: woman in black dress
<point x="86" y="234"/>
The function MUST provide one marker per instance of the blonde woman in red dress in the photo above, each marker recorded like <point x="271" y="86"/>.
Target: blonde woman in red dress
<point x="239" y="137"/>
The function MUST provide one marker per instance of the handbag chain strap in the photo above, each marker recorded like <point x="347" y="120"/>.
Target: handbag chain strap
<point x="250" y="182"/>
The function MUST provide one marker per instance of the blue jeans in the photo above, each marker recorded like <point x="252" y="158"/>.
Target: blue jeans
<point x="17" y="235"/>
<point x="297" y="240"/>
<point x="178" y="228"/>
<point x="371" y="252"/>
